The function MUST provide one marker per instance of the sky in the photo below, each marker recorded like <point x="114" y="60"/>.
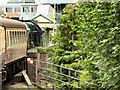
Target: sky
<point x="2" y="2"/>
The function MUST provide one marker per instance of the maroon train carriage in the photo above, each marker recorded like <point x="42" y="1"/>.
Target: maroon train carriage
<point x="13" y="47"/>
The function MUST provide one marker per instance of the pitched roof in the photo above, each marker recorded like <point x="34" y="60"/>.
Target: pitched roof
<point x="42" y="14"/>
<point x="42" y="18"/>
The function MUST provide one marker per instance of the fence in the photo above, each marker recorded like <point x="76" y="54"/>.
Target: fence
<point x="53" y="76"/>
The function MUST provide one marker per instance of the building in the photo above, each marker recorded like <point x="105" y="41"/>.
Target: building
<point x="46" y="12"/>
<point x="20" y="9"/>
<point x="29" y="10"/>
<point x="58" y="6"/>
<point x="58" y="1"/>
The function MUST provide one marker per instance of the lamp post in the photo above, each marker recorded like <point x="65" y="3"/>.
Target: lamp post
<point x="54" y="18"/>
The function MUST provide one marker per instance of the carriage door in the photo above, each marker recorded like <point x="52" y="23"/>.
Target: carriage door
<point x="2" y="40"/>
<point x="2" y="49"/>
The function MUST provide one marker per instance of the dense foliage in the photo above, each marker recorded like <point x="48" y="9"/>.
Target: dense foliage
<point x="89" y="39"/>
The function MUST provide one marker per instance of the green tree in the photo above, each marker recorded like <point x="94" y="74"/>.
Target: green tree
<point x="89" y="39"/>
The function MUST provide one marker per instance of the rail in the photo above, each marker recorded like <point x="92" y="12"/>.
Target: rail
<point x="47" y="72"/>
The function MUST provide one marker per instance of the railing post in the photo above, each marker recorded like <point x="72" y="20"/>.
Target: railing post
<point x="35" y="70"/>
<point x="78" y="79"/>
<point x="46" y="75"/>
<point x="40" y="69"/>
<point x="52" y="76"/>
<point x="37" y="65"/>
<point x="60" y="78"/>
<point x="68" y="79"/>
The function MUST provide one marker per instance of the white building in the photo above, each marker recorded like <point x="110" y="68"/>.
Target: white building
<point x="20" y="9"/>
<point x="58" y="1"/>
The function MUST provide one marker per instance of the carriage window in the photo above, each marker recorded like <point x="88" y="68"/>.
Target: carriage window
<point x="0" y="40"/>
<point x="7" y="39"/>
<point x="24" y="36"/>
<point x="15" y="37"/>
<point x="20" y="37"/>
<point x="10" y="38"/>
<point x="23" y="33"/>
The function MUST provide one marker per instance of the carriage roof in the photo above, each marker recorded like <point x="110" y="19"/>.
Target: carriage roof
<point x="10" y="23"/>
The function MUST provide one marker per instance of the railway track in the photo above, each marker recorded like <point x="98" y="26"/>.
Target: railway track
<point x="18" y="82"/>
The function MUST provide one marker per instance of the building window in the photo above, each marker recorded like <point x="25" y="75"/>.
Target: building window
<point x="1" y="10"/>
<point x="26" y="9"/>
<point x="33" y="9"/>
<point x="8" y="9"/>
<point x="17" y="9"/>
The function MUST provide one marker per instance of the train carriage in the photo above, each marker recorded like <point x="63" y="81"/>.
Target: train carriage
<point x="13" y="47"/>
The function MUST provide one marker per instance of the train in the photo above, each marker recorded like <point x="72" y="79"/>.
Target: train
<point x="34" y="34"/>
<point x="16" y="37"/>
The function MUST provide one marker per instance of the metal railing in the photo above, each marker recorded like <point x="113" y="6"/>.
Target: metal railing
<point x="53" y="76"/>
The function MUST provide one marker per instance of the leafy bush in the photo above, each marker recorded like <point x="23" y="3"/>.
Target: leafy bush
<point x="88" y="39"/>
